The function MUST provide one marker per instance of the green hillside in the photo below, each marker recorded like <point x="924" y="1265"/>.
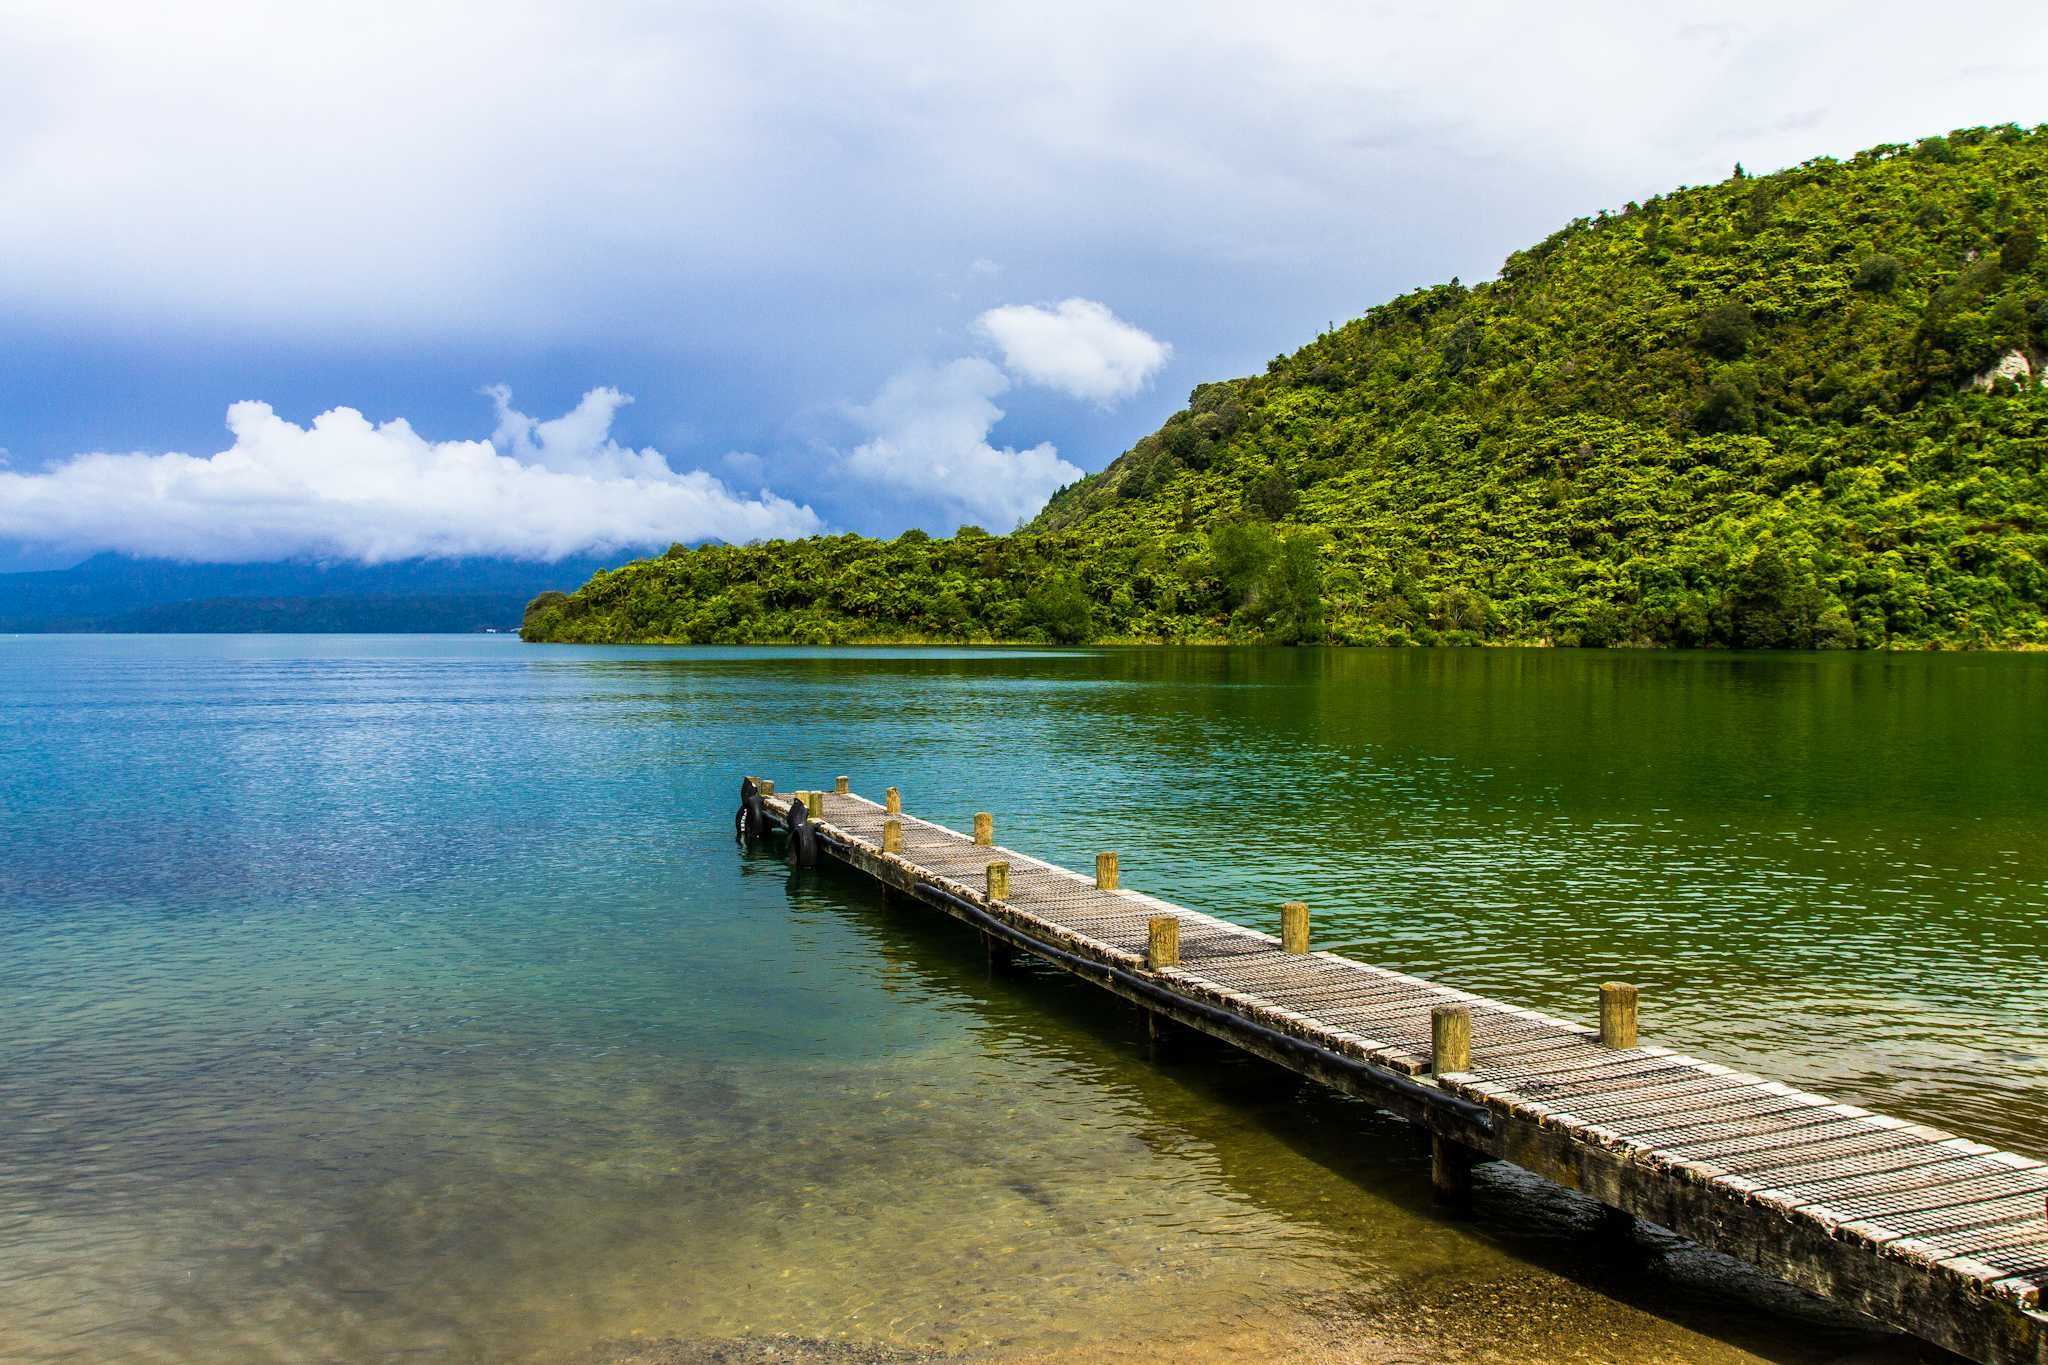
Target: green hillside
<point x="1750" y="414"/>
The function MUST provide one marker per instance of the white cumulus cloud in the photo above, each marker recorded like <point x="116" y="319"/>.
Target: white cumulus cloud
<point x="930" y="438"/>
<point x="344" y="487"/>
<point x="1076" y="346"/>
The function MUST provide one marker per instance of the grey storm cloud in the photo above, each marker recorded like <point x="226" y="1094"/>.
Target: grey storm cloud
<point x="1077" y="208"/>
<point x="472" y="165"/>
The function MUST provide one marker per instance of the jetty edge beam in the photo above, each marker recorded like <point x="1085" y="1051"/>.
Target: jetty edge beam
<point x="1927" y="1233"/>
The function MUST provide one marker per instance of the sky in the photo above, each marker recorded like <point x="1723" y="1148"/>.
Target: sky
<point x="369" y="281"/>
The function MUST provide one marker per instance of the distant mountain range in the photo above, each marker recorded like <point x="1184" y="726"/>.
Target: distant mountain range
<point x="111" y="592"/>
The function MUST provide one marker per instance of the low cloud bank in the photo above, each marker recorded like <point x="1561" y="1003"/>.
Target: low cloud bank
<point x="930" y="425"/>
<point x="346" y="488"/>
<point x="929" y="438"/>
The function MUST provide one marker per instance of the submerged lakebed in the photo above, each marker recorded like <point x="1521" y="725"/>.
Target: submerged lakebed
<point x="384" y="996"/>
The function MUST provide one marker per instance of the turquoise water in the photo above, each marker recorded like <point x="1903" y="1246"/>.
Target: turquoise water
<point x="368" y="998"/>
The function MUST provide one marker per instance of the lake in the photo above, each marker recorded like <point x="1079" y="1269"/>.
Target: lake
<point x="368" y="998"/>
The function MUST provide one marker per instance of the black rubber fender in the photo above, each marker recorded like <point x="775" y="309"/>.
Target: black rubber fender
<point x="750" y="822"/>
<point x="803" y="836"/>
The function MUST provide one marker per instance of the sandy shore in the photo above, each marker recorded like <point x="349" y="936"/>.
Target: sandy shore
<point x="1476" y="1325"/>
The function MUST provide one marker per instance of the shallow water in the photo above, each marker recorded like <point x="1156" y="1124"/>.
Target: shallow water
<point x="398" y="998"/>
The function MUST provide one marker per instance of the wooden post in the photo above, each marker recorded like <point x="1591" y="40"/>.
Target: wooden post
<point x="892" y="801"/>
<point x="998" y="881"/>
<point x="765" y="786"/>
<point x="814" y="802"/>
<point x="839" y="785"/>
<point x="1164" y="1035"/>
<point x="1294" y="927"/>
<point x="1450" y="1037"/>
<point x="1450" y="1172"/>
<point x="984" y="829"/>
<point x="1618" y="1014"/>
<point x="1162" y="942"/>
<point x="1105" y="872"/>
<point x="892" y="836"/>
<point x="1616" y="1229"/>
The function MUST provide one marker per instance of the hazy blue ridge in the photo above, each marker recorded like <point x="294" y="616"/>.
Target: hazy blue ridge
<point x="112" y="592"/>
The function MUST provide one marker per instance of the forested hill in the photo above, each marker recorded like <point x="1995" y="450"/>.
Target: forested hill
<point x="1786" y="410"/>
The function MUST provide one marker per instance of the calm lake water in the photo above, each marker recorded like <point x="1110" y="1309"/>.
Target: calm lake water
<point x="382" y="998"/>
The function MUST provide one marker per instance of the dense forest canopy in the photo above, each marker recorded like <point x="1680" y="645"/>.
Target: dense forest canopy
<point x="1796" y="410"/>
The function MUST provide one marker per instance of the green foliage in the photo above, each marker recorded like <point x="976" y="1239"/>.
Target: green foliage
<point x="1291" y="596"/>
<point x="1725" y="330"/>
<point x="1273" y="497"/>
<point x="1877" y="274"/>
<point x="1060" y="609"/>
<point x="1736" y="415"/>
<point x="2020" y="248"/>
<point x="1730" y="404"/>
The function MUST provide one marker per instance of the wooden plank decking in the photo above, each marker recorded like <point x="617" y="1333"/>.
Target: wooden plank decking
<point x="1923" y="1230"/>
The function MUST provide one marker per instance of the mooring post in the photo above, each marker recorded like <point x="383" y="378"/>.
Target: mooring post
<point x="1001" y="952"/>
<point x="1618" y="1014"/>
<point x="1450" y="1172"/>
<point x="1162" y="942"/>
<point x="892" y="836"/>
<point x="839" y="785"/>
<point x="984" y="829"/>
<point x="1105" y="872"/>
<point x="765" y="786"/>
<point x="1450" y="1038"/>
<point x="1164" y="1036"/>
<point x="1450" y="1050"/>
<point x="1294" y="927"/>
<point x="1615" y="1231"/>
<point x="892" y="801"/>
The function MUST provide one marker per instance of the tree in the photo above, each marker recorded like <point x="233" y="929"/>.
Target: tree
<point x="948" y="614"/>
<point x="1729" y="406"/>
<point x="1461" y="346"/>
<point x="1273" y="497"/>
<point x="1725" y="330"/>
<point x="1291" y="594"/>
<point x="1877" y="274"/>
<point x="1242" y="550"/>
<point x="1059" y="608"/>
<point x="1773" y="605"/>
<point x="542" y="612"/>
<point x="2019" y="249"/>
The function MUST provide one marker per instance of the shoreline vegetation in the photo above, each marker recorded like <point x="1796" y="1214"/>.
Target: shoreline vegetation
<point x="1793" y="411"/>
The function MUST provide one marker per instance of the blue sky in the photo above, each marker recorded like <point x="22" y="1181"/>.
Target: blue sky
<point x="445" y="278"/>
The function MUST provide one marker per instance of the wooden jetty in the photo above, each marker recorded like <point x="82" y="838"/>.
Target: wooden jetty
<point x="1924" y="1231"/>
